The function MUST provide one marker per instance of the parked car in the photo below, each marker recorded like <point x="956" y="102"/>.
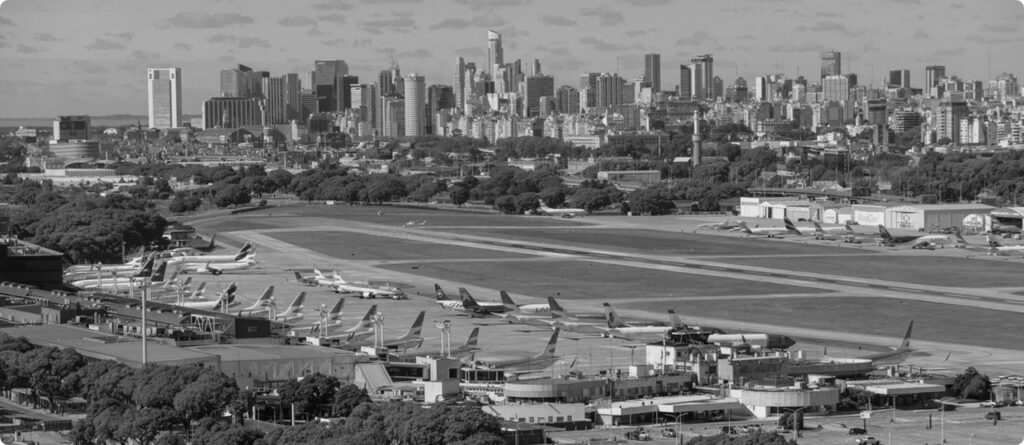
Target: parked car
<point x="857" y="431"/>
<point x="988" y="404"/>
<point x="868" y="441"/>
<point x="994" y="415"/>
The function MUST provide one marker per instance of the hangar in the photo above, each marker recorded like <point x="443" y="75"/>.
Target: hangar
<point x="924" y="216"/>
<point x="1007" y="219"/>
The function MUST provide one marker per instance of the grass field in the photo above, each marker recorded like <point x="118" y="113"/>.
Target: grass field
<point x="867" y="315"/>
<point x="660" y="242"/>
<point x="589" y="280"/>
<point x="400" y="215"/>
<point x="357" y="246"/>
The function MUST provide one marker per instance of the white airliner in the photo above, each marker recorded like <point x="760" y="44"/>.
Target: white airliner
<point x="348" y="338"/>
<point x="771" y="232"/>
<point x="913" y="241"/>
<point x="246" y="249"/>
<point x="617" y="329"/>
<point x="261" y="307"/>
<point x="892" y="357"/>
<point x="560" y="212"/>
<point x="227" y="296"/>
<point x="461" y="352"/>
<point x="219" y="268"/>
<point x="125" y="283"/>
<point x="413" y="338"/>
<point x="537" y="362"/>
<point x="366" y="290"/>
<point x="994" y="247"/>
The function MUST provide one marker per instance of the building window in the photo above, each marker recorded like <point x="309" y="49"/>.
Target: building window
<point x="568" y="418"/>
<point x="551" y="419"/>
<point x="560" y="419"/>
<point x="252" y="329"/>
<point x="531" y="419"/>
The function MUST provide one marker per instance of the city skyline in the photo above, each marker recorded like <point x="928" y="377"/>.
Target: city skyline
<point x="57" y="66"/>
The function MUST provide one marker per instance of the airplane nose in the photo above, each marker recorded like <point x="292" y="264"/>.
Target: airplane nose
<point x="781" y="342"/>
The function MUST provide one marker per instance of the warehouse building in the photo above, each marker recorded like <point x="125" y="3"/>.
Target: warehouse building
<point x="926" y="216"/>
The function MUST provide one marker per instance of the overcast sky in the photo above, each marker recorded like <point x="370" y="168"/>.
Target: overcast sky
<point x="90" y="56"/>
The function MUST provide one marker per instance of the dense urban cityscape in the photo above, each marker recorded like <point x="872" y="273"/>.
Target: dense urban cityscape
<point x="511" y="242"/>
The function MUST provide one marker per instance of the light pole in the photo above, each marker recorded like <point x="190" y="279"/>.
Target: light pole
<point x="796" y="426"/>
<point x="970" y="439"/>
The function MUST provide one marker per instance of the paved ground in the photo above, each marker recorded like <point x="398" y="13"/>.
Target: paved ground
<point x="865" y="292"/>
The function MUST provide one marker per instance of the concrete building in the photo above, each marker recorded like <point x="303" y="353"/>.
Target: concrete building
<point x="567" y="100"/>
<point x="164" y="94"/>
<point x="652" y="71"/>
<point x="72" y="128"/>
<point x="685" y="91"/>
<point x="535" y="88"/>
<point x="240" y="81"/>
<point x="495" y="54"/>
<point x="932" y="76"/>
<point x="415" y="105"/>
<point x="899" y="78"/>
<point x="950" y="111"/>
<point x="831" y="64"/>
<point x="836" y="88"/>
<point x="923" y="216"/>
<point x="642" y="177"/>
<point x="327" y="84"/>
<point x="230" y="112"/>
<point x="702" y="76"/>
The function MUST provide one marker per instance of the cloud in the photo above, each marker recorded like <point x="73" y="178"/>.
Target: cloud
<point x="333" y="18"/>
<point x="556" y="20"/>
<point x="104" y="44"/>
<point x="122" y="36"/>
<point x="296" y="20"/>
<point x="45" y="37"/>
<point x="477" y="5"/>
<point x="227" y="58"/>
<point x="334" y="42"/>
<point x="332" y="5"/>
<point x="798" y="46"/>
<point x="5" y="21"/>
<point x="203" y="20"/>
<point x="451" y="23"/>
<point x="471" y="52"/>
<point x="647" y="2"/>
<point x="639" y="32"/>
<point x="145" y="55"/>
<point x="241" y="42"/>
<point x="990" y="40"/>
<point x="401" y="24"/>
<point x="182" y="46"/>
<point x="870" y="47"/>
<point x="949" y="52"/>
<point x="416" y="53"/>
<point x="827" y="26"/>
<point x="920" y="34"/>
<point x="697" y="38"/>
<point x="89" y="67"/>
<point x="828" y="14"/>
<point x="601" y="45"/>
<point x="3" y="41"/>
<point x="605" y="17"/>
<point x="566" y="63"/>
<point x="1003" y="27"/>
<point x="25" y="49"/>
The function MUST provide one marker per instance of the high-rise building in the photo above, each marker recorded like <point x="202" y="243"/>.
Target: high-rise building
<point x="701" y="77"/>
<point x="308" y="105"/>
<point x="272" y="107"/>
<point x="459" y="82"/>
<point x="415" y="105"/>
<point x="652" y="71"/>
<point x="950" y="111"/>
<point x="71" y="128"/>
<point x="536" y="86"/>
<point x="877" y="112"/>
<point x="164" y="91"/>
<point x="899" y="78"/>
<point x="439" y="97"/>
<point x="903" y="120"/>
<point x="932" y="75"/>
<point x="536" y="68"/>
<point x="392" y="116"/>
<point x="717" y="87"/>
<point x="230" y="112"/>
<point x="609" y="90"/>
<point x="239" y="82"/>
<point x="761" y="88"/>
<point x="495" y="55"/>
<point x="685" y="83"/>
<point x="588" y="85"/>
<point x="327" y="79"/>
<point x="364" y="102"/>
<point x="1004" y="86"/>
<point x="292" y="102"/>
<point x="831" y="64"/>
<point x="835" y="88"/>
<point x="385" y="83"/>
<point x="470" y="89"/>
<point x="567" y="100"/>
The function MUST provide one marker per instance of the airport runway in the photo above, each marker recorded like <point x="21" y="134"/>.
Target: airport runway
<point x="278" y="255"/>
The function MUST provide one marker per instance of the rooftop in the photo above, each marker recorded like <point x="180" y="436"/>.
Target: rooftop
<point x="16" y="247"/>
<point x="105" y="346"/>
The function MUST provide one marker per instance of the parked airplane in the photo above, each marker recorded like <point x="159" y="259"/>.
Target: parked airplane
<point x="414" y="223"/>
<point x="463" y="351"/>
<point x="535" y="308"/>
<point x="261" y="307"/>
<point x="893" y="357"/>
<point x="727" y="225"/>
<point x="366" y="290"/>
<point x="126" y="283"/>
<point x="753" y="342"/>
<point x="535" y="363"/>
<point x="90" y="270"/>
<point x="994" y="247"/>
<point x="412" y="339"/>
<point x="294" y="311"/>
<point x="544" y="209"/>
<point x="914" y="241"/>
<point x="219" y="268"/>
<point x="467" y="304"/>
<point x="771" y="232"/>
<point x="347" y="338"/>
<point x="646" y="334"/>
<point x="247" y="248"/>
<point x="557" y="310"/>
<point x="333" y="319"/>
<point x="227" y="296"/>
<point x="308" y="281"/>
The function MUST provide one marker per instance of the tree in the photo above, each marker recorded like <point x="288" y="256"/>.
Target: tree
<point x="650" y="201"/>
<point x="459" y="194"/>
<point x="313" y="395"/>
<point x="347" y="398"/>
<point x="209" y="395"/>
<point x="972" y="385"/>
<point x="527" y="202"/>
<point x="233" y="194"/>
<point x="506" y="203"/>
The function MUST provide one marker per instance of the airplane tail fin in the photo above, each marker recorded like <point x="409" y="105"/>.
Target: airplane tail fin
<point x="417" y="326"/>
<point x="296" y="305"/>
<point x="146" y="269"/>
<point x="474" y="336"/>
<point x="549" y="349"/>
<point x="745" y="228"/>
<point x="439" y="293"/>
<point x="611" y="316"/>
<point x="905" y="345"/>
<point x="556" y="309"/>
<point x="848" y="228"/>
<point x="676" y="322"/>
<point x="367" y="320"/>
<point x="158" y="274"/>
<point x="174" y="274"/>
<point x="467" y="300"/>
<point x="317" y="273"/>
<point x="298" y="277"/>
<point x="884" y="233"/>
<point x="960" y="238"/>
<point x="506" y="301"/>
<point x="199" y="290"/>
<point x="213" y="242"/>
<point x="337" y="276"/>
<point x="335" y="313"/>
<point x="790" y="227"/>
<point x="992" y="240"/>
<point x="818" y="228"/>
<point x="245" y="251"/>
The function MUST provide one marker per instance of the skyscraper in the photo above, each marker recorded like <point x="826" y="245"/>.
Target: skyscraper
<point x="439" y="97"/>
<point x="951" y="110"/>
<point x="164" y="88"/>
<point x="685" y="83"/>
<point x="567" y="100"/>
<point x="537" y="86"/>
<point x="899" y="78"/>
<point x="652" y="71"/>
<point x="495" y="55"/>
<point x="701" y="77"/>
<point x="761" y="88"/>
<point x="459" y="82"/>
<point x="609" y="90"/>
<point x="239" y="82"/>
<point x="327" y="84"/>
<point x="588" y="85"/>
<point x="272" y="107"/>
<point x="831" y="63"/>
<point x="932" y="75"/>
<point x="835" y="88"/>
<point x="385" y="83"/>
<point x="292" y="104"/>
<point x="536" y="68"/>
<point x="415" y="104"/>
